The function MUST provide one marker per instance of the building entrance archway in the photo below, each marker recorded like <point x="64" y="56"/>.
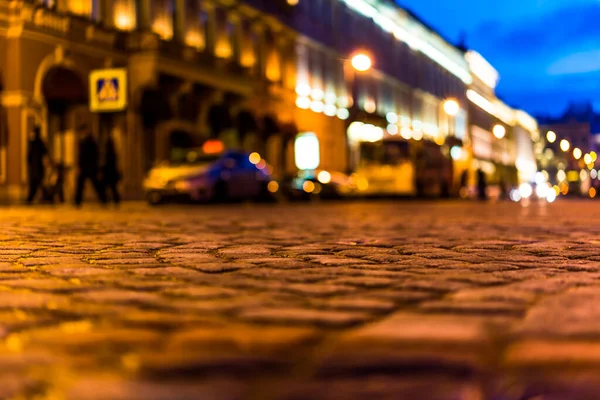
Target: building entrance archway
<point x="64" y="93"/>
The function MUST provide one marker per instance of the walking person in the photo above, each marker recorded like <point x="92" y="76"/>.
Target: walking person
<point x="110" y="171"/>
<point x="87" y="166"/>
<point x="481" y="184"/>
<point x="37" y="153"/>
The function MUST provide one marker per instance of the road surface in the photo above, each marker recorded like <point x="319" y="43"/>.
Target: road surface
<point x="378" y="300"/>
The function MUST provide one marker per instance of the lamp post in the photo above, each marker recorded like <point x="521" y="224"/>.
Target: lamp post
<point x="359" y="62"/>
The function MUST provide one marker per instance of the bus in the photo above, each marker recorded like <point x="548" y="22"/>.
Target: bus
<point x="399" y="167"/>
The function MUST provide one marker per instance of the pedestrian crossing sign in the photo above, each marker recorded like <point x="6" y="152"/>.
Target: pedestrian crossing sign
<point x="108" y="90"/>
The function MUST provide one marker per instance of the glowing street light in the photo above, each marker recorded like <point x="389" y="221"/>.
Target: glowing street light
<point x="577" y="153"/>
<point x="451" y="107"/>
<point x="551" y="136"/>
<point x="361" y="62"/>
<point x="499" y="131"/>
<point x="565" y="145"/>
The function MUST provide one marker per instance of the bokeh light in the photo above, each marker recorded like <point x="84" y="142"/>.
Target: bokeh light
<point x="254" y="158"/>
<point x="324" y="177"/>
<point x="273" y="187"/>
<point x="308" y="187"/>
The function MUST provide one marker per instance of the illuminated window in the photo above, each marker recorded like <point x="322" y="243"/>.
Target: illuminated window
<point x="124" y="15"/>
<point x="194" y="30"/>
<point x="162" y="18"/>
<point x="81" y="7"/>
<point x="223" y="43"/>
<point x="248" y="48"/>
<point x="307" y="151"/>
<point x="273" y="67"/>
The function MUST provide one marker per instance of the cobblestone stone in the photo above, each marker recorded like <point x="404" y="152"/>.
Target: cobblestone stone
<point x="408" y="300"/>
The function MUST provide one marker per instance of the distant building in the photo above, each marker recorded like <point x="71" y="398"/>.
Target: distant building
<point x="579" y="126"/>
<point x="576" y="125"/>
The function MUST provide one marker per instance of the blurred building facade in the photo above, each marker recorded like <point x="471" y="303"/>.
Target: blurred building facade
<point x="501" y="137"/>
<point x="193" y="67"/>
<point x="255" y="73"/>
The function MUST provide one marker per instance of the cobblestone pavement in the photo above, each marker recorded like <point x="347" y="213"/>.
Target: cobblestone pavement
<point x="380" y="300"/>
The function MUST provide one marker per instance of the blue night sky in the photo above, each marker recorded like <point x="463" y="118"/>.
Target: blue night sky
<point x="547" y="51"/>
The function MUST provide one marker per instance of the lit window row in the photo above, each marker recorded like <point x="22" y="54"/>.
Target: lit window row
<point x="414" y="34"/>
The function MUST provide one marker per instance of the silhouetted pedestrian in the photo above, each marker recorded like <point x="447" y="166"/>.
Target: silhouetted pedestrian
<point x="88" y="166"/>
<point x="110" y="171"/>
<point x="36" y="158"/>
<point x="503" y="190"/>
<point x="481" y="185"/>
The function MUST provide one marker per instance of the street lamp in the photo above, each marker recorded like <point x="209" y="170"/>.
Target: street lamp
<point x="451" y="107"/>
<point x="565" y="145"/>
<point x="551" y="136"/>
<point x="361" y="62"/>
<point x="499" y="131"/>
<point x="577" y="153"/>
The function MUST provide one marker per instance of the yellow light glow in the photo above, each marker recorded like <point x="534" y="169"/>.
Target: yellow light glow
<point x="223" y="49"/>
<point x="254" y="158"/>
<point x="361" y="62"/>
<point x="163" y="28"/>
<point x="592" y="192"/>
<point x="194" y="39"/>
<point x="324" y="177"/>
<point x="292" y="2"/>
<point x="273" y="187"/>
<point x="273" y="67"/>
<point x="594" y="156"/>
<point x="565" y="145"/>
<point x="123" y="17"/>
<point x="451" y="107"/>
<point x="362" y="184"/>
<point x="556" y="189"/>
<point x="577" y="153"/>
<point x="80" y="7"/>
<point x="587" y="159"/>
<point x="499" y="131"/>
<point x="308" y="187"/>
<point x="248" y="58"/>
<point x="551" y="137"/>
